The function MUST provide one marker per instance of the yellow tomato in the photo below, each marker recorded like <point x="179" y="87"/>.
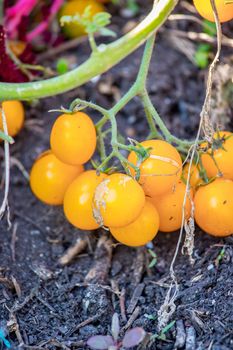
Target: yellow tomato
<point x="225" y="11"/>
<point x="223" y="157"/>
<point x="17" y="47"/>
<point x="74" y="7"/>
<point x="214" y="208"/>
<point x="195" y="178"/>
<point x="170" y="208"/>
<point x="78" y="200"/>
<point x="73" y="138"/>
<point x="141" y="231"/>
<point x="14" y="113"/>
<point x="161" y="171"/>
<point x="50" y="178"/>
<point x="118" y="201"/>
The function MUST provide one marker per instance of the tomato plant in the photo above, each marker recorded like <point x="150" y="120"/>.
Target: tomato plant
<point x="124" y="172"/>
<point x="161" y="170"/>
<point x="170" y="207"/>
<point x="118" y="201"/>
<point x="14" y="112"/>
<point x="49" y="178"/>
<point x="214" y="207"/>
<point x="141" y="231"/>
<point x="224" y="10"/>
<point x="217" y="159"/>
<point x="73" y="138"/>
<point x="78" y="200"/>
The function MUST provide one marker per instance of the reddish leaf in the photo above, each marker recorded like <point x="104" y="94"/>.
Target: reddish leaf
<point x="9" y="72"/>
<point x="45" y="23"/>
<point x="133" y="337"/>
<point x="15" y="14"/>
<point x="100" y="342"/>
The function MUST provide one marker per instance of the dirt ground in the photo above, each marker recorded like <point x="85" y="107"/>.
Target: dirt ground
<point x="44" y="305"/>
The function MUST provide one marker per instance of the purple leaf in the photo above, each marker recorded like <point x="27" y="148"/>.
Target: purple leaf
<point x="100" y="342"/>
<point x="133" y="337"/>
<point x="115" y="329"/>
<point x="15" y="14"/>
<point x="9" y="72"/>
<point x="45" y="23"/>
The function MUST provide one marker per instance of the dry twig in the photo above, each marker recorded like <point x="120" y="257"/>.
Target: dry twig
<point x="205" y="125"/>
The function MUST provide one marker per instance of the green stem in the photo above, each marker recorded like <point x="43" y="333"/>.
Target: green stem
<point x="106" y="57"/>
<point x="92" y="42"/>
<point x="145" y="64"/>
<point x="168" y="136"/>
<point x="78" y="102"/>
<point x="131" y="93"/>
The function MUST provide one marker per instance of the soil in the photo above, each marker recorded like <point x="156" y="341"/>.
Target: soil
<point x="44" y="305"/>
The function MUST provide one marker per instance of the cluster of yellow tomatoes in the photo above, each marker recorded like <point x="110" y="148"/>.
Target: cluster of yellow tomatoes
<point x="134" y="211"/>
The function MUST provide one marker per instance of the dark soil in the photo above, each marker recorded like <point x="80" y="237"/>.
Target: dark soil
<point x="42" y="304"/>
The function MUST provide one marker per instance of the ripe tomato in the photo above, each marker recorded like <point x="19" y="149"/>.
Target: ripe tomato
<point x="161" y="171"/>
<point x="73" y="7"/>
<point x="17" y="47"/>
<point x="141" y="231"/>
<point x="73" y="138"/>
<point x="214" y="208"/>
<point x="195" y="178"/>
<point x="50" y="178"/>
<point x="223" y="157"/>
<point x="78" y="200"/>
<point x="14" y="113"/>
<point x="118" y="201"/>
<point x="225" y="11"/>
<point x="170" y="208"/>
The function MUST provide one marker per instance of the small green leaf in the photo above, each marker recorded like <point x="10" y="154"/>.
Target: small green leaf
<point x="133" y="6"/>
<point x="209" y="28"/>
<point x="62" y="66"/>
<point x="102" y="19"/>
<point x="107" y="32"/>
<point x="202" y="55"/>
<point x="204" y="48"/>
<point x="168" y="327"/>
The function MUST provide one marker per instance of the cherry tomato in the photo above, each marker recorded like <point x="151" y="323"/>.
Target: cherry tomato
<point x="141" y="231"/>
<point x="118" y="201"/>
<point x="162" y="170"/>
<point x="78" y="200"/>
<point x="170" y="208"/>
<point x="17" y="47"/>
<point x="195" y="178"/>
<point x="71" y="8"/>
<point x="223" y="157"/>
<point x="214" y="207"/>
<point x="73" y="138"/>
<point x="14" y="113"/>
<point x="50" y="178"/>
<point x="225" y="11"/>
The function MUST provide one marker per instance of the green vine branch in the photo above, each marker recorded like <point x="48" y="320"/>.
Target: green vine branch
<point x="109" y="116"/>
